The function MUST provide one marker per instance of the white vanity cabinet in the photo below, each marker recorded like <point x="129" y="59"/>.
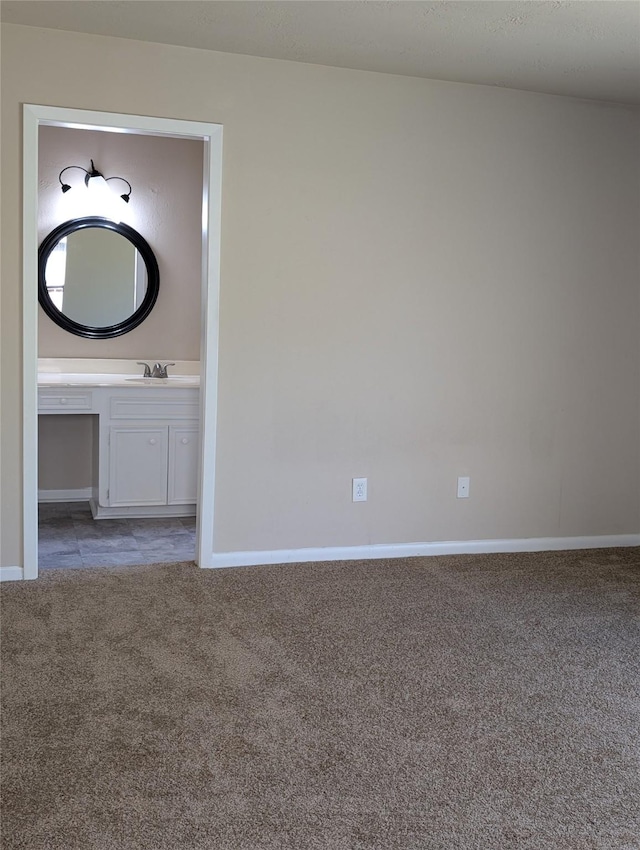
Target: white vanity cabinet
<point x="153" y="466"/>
<point x="148" y="455"/>
<point x="183" y="465"/>
<point x="146" y="446"/>
<point x="138" y="466"/>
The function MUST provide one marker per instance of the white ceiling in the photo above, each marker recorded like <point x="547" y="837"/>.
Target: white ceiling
<point x="580" y="48"/>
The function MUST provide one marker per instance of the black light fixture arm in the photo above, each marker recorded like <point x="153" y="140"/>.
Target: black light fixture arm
<point x="93" y="173"/>
<point x="126" y="195"/>
<point x="65" y="186"/>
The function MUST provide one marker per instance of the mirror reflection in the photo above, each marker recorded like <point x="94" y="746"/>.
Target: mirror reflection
<point x="96" y="277"/>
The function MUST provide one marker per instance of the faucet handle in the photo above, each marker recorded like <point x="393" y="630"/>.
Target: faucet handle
<point x="147" y="369"/>
<point x="160" y="370"/>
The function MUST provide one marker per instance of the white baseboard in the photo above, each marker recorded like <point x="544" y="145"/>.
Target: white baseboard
<point x="408" y="550"/>
<point x="396" y="550"/>
<point x="83" y="494"/>
<point x="141" y="512"/>
<point x="11" y="573"/>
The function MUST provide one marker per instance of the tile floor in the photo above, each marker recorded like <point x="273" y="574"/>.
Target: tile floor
<point x="68" y="536"/>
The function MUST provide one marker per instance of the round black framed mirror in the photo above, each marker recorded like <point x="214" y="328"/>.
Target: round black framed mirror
<point x="97" y="278"/>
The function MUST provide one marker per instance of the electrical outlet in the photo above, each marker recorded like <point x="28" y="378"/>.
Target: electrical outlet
<point x="463" y="487"/>
<point x="359" y="492"/>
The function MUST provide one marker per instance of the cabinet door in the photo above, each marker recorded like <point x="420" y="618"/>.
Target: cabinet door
<point x="183" y="465"/>
<point x="138" y="466"/>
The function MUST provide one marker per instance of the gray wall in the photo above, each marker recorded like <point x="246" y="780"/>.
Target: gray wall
<point x="420" y="280"/>
<point x="65" y="452"/>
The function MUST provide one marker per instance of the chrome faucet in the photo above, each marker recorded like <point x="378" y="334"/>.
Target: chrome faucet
<point x="160" y="370"/>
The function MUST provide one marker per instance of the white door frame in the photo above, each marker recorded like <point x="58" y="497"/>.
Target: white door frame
<point x="211" y="134"/>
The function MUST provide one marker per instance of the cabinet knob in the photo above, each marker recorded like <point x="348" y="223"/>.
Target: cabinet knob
<point x="152" y="441"/>
<point x="184" y="441"/>
<point x="63" y="401"/>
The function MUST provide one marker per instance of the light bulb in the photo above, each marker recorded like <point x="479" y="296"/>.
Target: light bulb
<point x="98" y="188"/>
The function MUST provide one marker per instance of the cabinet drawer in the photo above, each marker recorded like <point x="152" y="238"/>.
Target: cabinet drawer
<point x="64" y="400"/>
<point x="176" y="406"/>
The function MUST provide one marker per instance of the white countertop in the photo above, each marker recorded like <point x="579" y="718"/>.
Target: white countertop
<point x="71" y="379"/>
<point x="67" y="372"/>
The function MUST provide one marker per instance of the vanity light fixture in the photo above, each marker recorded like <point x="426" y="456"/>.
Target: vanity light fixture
<point x="94" y="181"/>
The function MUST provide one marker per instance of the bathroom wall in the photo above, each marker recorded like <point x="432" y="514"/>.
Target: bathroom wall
<point x="165" y="208"/>
<point x="419" y="280"/>
<point x="65" y="459"/>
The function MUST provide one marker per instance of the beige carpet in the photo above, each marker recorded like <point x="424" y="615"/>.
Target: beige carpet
<point x="458" y="703"/>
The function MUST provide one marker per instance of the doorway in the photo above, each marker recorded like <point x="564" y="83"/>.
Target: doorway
<point x="210" y="135"/>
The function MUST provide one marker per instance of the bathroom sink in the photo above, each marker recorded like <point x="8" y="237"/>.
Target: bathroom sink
<point x="79" y="373"/>
<point x="172" y="380"/>
<point x="102" y="380"/>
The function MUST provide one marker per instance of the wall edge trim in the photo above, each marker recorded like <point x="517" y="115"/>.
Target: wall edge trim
<point x="11" y="574"/>
<point x="407" y="550"/>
